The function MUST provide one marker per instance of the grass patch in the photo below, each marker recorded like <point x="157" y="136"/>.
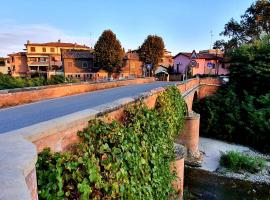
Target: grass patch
<point x="237" y="161"/>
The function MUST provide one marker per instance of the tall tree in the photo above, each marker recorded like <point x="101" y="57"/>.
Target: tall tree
<point x="152" y="50"/>
<point x="108" y="52"/>
<point x="254" y="22"/>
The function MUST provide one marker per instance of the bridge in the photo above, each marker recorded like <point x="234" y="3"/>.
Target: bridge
<point x="28" y="129"/>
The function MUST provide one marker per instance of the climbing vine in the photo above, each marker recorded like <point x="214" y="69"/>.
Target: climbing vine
<point x="129" y="160"/>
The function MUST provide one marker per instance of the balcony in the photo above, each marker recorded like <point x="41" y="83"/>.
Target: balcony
<point x="35" y="63"/>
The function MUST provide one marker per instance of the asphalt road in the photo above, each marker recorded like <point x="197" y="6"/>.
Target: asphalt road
<point x="22" y="116"/>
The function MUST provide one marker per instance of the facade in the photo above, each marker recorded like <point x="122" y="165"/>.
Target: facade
<point x="4" y="66"/>
<point x="44" y="59"/>
<point x="17" y="64"/>
<point x="78" y="64"/>
<point x="204" y="62"/>
<point x="167" y="59"/>
<point x="132" y="66"/>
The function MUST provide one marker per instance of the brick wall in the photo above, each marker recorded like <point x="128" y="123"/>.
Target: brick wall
<point x="48" y="92"/>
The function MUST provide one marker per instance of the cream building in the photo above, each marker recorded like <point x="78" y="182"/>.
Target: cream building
<point x="44" y="59"/>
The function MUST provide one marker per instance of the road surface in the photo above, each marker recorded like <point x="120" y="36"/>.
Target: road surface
<point x="22" y="116"/>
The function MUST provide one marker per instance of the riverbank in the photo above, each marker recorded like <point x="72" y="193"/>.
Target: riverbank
<point x="210" y="181"/>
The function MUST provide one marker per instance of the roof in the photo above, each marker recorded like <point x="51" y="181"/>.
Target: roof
<point x="77" y="54"/>
<point x="58" y="44"/>
<point x="17" y="54"/>
<point x="131" y="56"/>
<point x="207" y="56"/>
<point x="184" y="54"/>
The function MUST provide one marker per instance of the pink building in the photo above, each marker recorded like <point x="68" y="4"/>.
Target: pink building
<point x="204" y="62"/>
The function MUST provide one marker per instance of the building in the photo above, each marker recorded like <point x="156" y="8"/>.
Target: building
<point x="132" y="66"/>
<point x="204" y="62"/>
<point x="78" y="64"/>
<point x="165" y="63"/>
<point x="44" y="59"/>
<point x="4" y="66"/>
<point x="17" y="64"/>
<point x="167" y="59"/>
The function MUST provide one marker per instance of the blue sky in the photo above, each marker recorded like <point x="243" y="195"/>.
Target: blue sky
<point x="183" y="24"/>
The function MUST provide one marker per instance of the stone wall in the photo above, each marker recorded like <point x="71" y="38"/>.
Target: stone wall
<point x="26" y="95"/>
<point x="19" y="148"/>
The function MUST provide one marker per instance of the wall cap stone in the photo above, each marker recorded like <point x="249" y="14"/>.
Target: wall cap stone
<point x="180" y="151"/>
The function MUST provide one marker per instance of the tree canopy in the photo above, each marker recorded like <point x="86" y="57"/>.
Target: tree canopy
<point x="108" y="52"/>
<point x="253" y="23"/>
<point x="240" y="111"/>
<point x="152" y="50"/>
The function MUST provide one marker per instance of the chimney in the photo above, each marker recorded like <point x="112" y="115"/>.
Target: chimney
<point x="28" y="41"/>
<point x="59" y="41"/>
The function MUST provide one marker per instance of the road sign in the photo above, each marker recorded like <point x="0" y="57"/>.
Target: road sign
<point x="148" y="66"/>
<point x="210" y="65"/>
<point x="193" y="63"/>
<point x="193" y="55"/>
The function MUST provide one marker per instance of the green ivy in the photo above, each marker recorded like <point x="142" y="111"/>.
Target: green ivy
<point x="129" y="160"/>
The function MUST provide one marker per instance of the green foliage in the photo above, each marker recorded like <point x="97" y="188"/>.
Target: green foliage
<point x="56" y="79"/>
<point x="108" y="52"/>
<point x="8" y="82"/>
<point x="254" y="22"/>
<point x="237" y="161"/>
<point x="118" y="161"/>
<point x="152" y="50"/>
<point x="250" y="68"/>
<point x="240" y="112"/>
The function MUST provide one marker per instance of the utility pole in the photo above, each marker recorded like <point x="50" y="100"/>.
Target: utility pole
<point x="211" y="34"/>
<point x="91" y="44"/>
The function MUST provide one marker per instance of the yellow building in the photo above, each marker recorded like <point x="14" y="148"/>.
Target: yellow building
<point x="44" y="59"/>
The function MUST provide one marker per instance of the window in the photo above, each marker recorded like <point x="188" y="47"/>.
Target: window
<point x="42" y="59"/>
<point x="84" y="64"/>
<point x="33" y="49"/>
<point x="43" y="49"/>
<point x="70" y="64"/>
<point x="52" y="50"/>
<point x="33" y="59"/>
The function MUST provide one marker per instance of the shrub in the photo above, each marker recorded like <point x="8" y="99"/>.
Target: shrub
<point x="129" y="160"/>
<point x="56" y="79"/>
<point x="236" y="161"/>
<point x="8" y="82"/>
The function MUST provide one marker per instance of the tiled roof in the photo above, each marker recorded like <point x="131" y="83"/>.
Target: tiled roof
<point x="207" y="56"/>
<point x="17" y="53"/>
<point x="77" y="54"/>
<point x="58" y="44"/>
<point x="131" y="56"/>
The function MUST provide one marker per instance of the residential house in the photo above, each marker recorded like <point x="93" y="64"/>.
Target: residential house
<point x="44" y="59"/>
<point x="78" y="64"/>
<point x="132" y="66"/>
<point x="17" y="64"/>
<point x="4" y="66"/>
<point x="165" y="63"/>
<point x="204" y="62"/>
<point x="167" y="59"/>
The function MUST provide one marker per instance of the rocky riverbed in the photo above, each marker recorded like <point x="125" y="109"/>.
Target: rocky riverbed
<point x="210" y="181"/>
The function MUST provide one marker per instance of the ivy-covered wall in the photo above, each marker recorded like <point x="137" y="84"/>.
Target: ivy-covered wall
<point x="114" y="160"/>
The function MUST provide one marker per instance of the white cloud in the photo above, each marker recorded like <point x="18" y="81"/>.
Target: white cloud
<point x="14" y="36"/>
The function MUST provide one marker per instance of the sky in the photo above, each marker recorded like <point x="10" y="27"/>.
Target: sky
<point x="184" y="25"/>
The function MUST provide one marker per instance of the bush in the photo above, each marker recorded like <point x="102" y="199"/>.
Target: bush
<point x="8" y="82"/>
<point x="56" y="79"/>
<point x="236" y="161"/>
<point x="240" y="111"/>
<point x="129" y="160"/>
